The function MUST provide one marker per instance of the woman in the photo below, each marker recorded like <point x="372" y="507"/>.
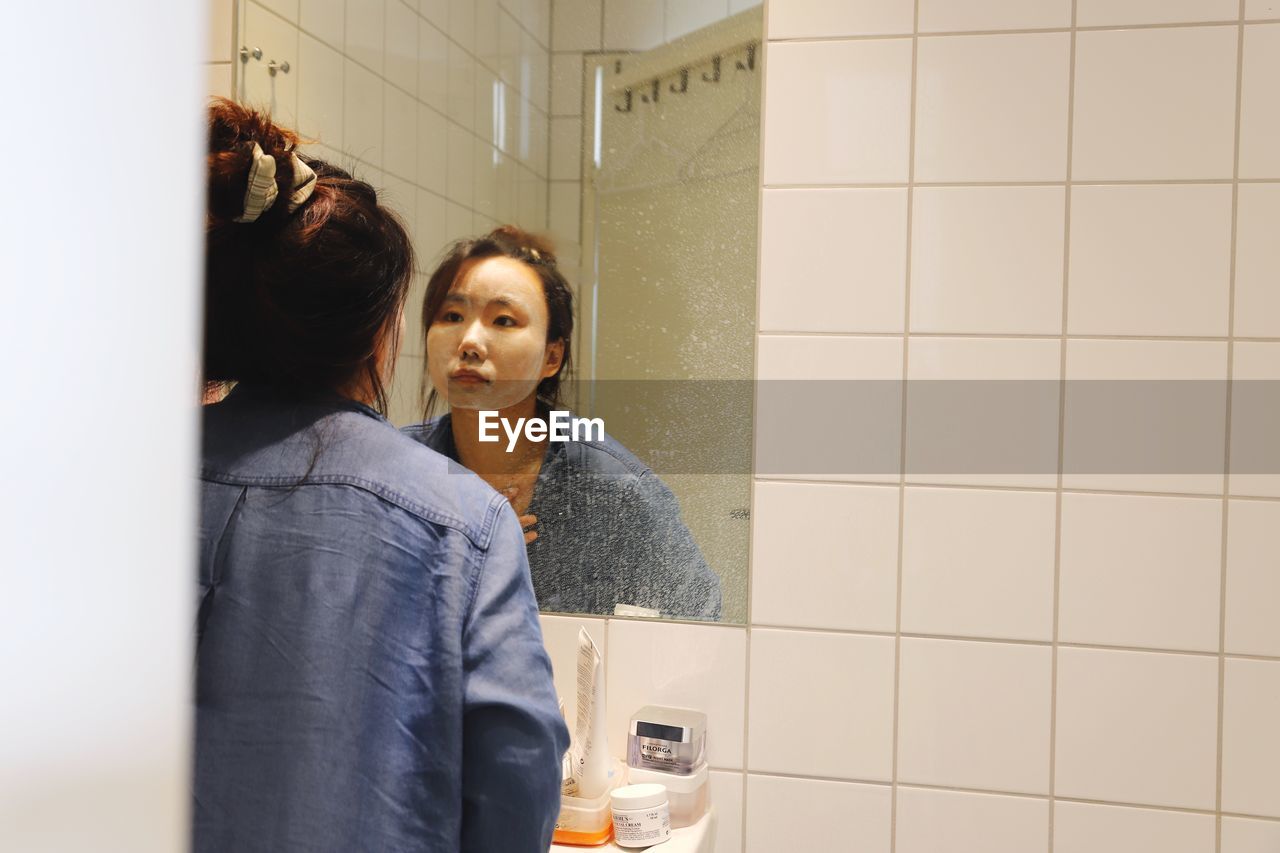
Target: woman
<point x="370" y="668"/>
<point x="605" y="530"/>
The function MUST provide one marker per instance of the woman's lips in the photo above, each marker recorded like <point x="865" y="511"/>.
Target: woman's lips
<point x="466" y="377"/>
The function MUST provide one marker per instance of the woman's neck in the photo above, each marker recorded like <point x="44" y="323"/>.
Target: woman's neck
<point x="491" y="459"/>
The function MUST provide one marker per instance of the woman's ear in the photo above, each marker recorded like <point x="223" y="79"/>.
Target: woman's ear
<point x="555" y="358"/>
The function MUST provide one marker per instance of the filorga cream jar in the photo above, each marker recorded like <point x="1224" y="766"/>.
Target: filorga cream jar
<point x="673" y="740"/>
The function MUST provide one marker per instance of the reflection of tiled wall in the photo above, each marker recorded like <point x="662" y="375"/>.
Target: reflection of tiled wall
<point x="589" y="26"/>
<point x="1018" y="663"/>
<point x="441" y="103"/>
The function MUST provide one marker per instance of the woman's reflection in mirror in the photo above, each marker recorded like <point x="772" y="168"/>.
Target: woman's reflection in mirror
<point x="602" y="529"/>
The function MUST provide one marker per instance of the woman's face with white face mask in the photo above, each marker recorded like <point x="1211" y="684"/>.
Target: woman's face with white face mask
<point x="487" y="345"/>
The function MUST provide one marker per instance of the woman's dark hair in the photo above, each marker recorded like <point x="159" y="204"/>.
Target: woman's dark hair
<point x="508" y="241"/>
<point x="297" y="300"/>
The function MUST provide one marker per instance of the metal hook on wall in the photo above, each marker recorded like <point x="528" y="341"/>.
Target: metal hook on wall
<point x="652" y="97"/>
<point x="245" y="53"/>
<point x="684" y="82"/>
<point x="626" y="100"/>
<point x="751" y="58"/>
<point x="715" y="71"/>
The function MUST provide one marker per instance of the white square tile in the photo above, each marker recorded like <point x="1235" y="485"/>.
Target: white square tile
<point x="560" y="636"/>
<point x="1257" y="299"/>
<point x="401" y="197"/>
<point x="320" y="91"/>
<point x="362" y="113"/>
<point x="845" y="686"/>
<point x="575" y="24"/>
<point x="488" y="101"/>
<point x="1241" y="835"/>
<point x="432" y="233"/>
<point x="1155" y="104"/>
<point x="411" y="344"/>
<point x="974" y="715"/>
<point x="433" y="142"/>
<point x="983" y="411"/>
<point x="461" y="154"/>
<point x="1251" y="739"/>
<point x="509" y="34"/>
<point x="823" y="19"/>
<point x="684" y="16"/>
<point x="851" y="390"/>
<point x="726" y="795"/>
<point x="1136" y="727"/>
<point x="402" y="46"/>
<point x="633" y="25"/>
<point x="1260" y="105"/>
<point x="488" y="45"/>
<point x="1140" y="571"/>
<point x="1150" y="260"/>
<point x="804" y="577"/>
<point x="218" y="80"/>
<point x="462" y="23"/>
<point x="820" y="99"/>
<point x="987" y="260"/>
<point x="566" y="149"/>
<point x="684" y="666"/>
<point x="978" y="563"/>
<point x="365" y="32"/>
<point x="536" y="140"/>
<point x="993" y="108"/>
<point x="946" y="16"/>
<point x="433" y="67"/>
<point x="537" y="17"/>
<point x="1255" y="420"/>
<point x="1090" y="828"/>
<point x="806" y="814"/>
<point x="462" y="87"/>
<point x="486" y="179"/>
<point x="459" y="222"/>
<point x="221" y="31"/>
<point x="279" y="42"/>
<point x="1253" y="578"/>
<point x="536" y="79"/>
<point x="401" y="137"/>
<point x="435" y="11"/>
<point x="324" y="19"/>
<point x="507" y="197"/>
<point x="1257" y="9"/>
<point x="566" y="202"/>
<point x="806" y="285"/>
<point x="954" y="822"/>
<point x="566" y="84"/>
<point x="1173" y="389"/>
<point x="1106" y="13"/>
<point x="287" y="9"/>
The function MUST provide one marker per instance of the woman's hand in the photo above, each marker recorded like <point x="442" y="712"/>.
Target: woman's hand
<point x="526" y="521"/>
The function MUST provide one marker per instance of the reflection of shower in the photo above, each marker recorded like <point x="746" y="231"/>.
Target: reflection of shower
<point x="669" y="238"/>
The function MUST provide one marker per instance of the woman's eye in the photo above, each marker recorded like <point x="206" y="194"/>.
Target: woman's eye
<point x="450" y="317"/>
<point x="504" y="320"/>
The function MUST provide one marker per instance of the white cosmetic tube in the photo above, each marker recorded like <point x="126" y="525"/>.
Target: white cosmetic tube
<point x="590" y="748"/>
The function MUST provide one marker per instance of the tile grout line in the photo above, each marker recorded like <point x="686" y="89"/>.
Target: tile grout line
<point x="1226" y="470"/>
<point x="902" y="435"/>
<point x="1029" y="336"/>
<point x="1021" y="31"/>
<point x="1062" y="434"/>
<point x="999" y="487"/>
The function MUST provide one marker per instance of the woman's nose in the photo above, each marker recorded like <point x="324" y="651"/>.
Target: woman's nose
<point x="472" y="343"/>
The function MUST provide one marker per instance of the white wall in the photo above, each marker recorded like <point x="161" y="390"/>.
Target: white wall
<point x="405" y="93"/>
<point x="99" y="259"/>
<point x="996" y="665"/>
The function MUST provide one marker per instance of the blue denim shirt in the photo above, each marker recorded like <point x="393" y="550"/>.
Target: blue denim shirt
<point x="609" y="532"/>
<point x="370" y="668"/>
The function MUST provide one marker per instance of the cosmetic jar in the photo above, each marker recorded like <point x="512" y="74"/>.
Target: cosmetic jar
<point x="640" y="815"/>
<point x="687" y="796"/>
<point x="669" y="739"/>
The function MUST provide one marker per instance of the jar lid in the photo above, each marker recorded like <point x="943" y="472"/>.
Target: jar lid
<point x="638" y="796"/>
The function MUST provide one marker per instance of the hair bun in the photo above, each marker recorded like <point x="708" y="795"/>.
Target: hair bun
<point x="233" y="130"/>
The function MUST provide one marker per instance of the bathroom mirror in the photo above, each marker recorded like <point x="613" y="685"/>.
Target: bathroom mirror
<point x="628" y="132"/>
